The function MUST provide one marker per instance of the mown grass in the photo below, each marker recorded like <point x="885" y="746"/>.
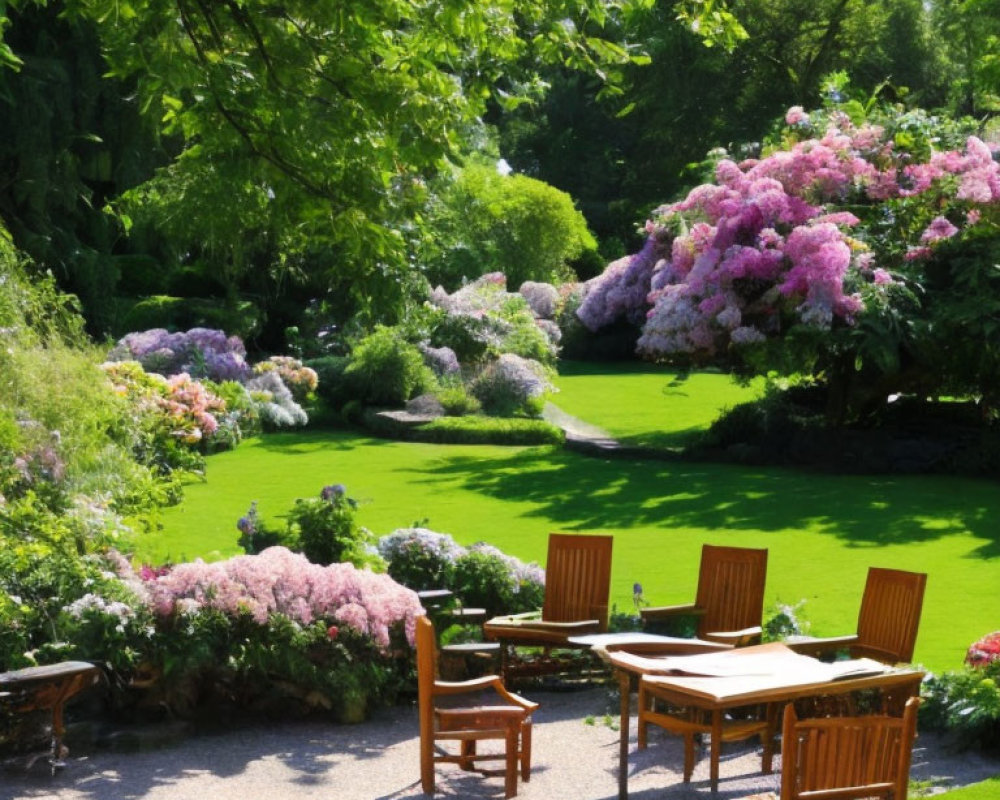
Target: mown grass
<point x="640" y="404"/>
<point x="986" y="790"/>
<point x="823" y="531"/>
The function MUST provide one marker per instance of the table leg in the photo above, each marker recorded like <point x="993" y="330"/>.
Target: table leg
<point x="624" y="688"/>
<point x="716" y="747"/>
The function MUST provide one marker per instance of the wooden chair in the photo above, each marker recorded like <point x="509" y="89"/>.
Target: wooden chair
<point x="577" y="584"/>
<point x="508" y="721"/>
<point x="729" y="602"/>
<point x="887" y="622"/>
<point x="843" y="758"/>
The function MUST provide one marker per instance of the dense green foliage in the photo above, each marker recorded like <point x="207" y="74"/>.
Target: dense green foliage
<point x="486" y="221"/>
<point x="386" y="370"/>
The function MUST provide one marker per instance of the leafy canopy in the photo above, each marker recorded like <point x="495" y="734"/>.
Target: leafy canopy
<point x="334" y="113"/>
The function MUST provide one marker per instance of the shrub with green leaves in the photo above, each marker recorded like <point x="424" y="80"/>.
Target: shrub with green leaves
<point x="485" y="221"/>
<point x="325" y="531"/>
<point x="966" y="704"/>
<point x="420" y="558"/>
<point x="481" y="576"/>
<point x="387" y="370"/>
<point x="487" y="578"/>
<point x="482" y="320"/>
<point x="456" y="400"/>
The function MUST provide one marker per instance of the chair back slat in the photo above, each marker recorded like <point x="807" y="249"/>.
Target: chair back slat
<point x="577" y="578"/>
<point x="890" y="613"/>
<point x="844" y="757"/>
<point x="426" y="669"/>
<point x="731" y="588"/>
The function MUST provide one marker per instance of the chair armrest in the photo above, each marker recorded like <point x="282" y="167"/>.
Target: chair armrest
<point x="665" y="612"/>
<point x="478" y="684"/>
<point x="740" y="638"/>
<point x="814" y="646"/>
<point x="514" y="620"/>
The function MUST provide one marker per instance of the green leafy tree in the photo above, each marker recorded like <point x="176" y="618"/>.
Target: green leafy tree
<point x="486" y="221"/>
<point x="319" y="122"/>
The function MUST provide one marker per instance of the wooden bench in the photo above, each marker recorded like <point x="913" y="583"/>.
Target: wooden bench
<point x="47" y="688"/>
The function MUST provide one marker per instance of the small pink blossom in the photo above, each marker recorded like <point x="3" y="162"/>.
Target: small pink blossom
<point x="796" y="115"/>
<point x="940" y="228"/>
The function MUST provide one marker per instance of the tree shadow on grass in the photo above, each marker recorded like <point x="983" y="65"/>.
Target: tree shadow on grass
<point x="581" y="493"/>
<point x="309" y="441"/>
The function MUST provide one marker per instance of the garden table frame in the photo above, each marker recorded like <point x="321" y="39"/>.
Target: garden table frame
<point x="716" y="695"/>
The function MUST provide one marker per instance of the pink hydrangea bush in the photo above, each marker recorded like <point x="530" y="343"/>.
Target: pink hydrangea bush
<point x="180" y="405"/>
<point x="771" y="244"/>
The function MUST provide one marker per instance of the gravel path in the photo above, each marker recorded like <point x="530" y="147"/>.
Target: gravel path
<point x="378" y="760"/>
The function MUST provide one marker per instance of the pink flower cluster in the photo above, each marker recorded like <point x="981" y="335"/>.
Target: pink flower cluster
<point x="278" y="581"/>
<point x="765" y="246"/>
<point x="984" y="651"/>
<point x="190" y="408"/>
<point x="185" y="406"/>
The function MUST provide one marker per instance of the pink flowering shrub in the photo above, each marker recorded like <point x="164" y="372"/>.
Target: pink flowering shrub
<point x="278" y="581"/>
<point x="770" y="245"/>
<point x="272" y="632"/>
<point x="984" y="651"/>
<point x="174" y="416"/>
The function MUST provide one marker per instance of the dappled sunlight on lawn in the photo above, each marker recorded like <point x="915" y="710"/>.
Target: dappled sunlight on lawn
<point x="582" y="494"/>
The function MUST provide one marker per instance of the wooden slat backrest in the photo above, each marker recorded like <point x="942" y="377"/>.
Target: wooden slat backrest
<point x="730" y="588"/>
<point x="426" y="673"/>
<point x="577" y="578"/>
<point x="847" y="757"/>
<point x="890" y="614"/>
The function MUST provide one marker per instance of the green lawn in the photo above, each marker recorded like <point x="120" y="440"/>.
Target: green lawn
<point x="642" y="405"/>
<point x="822" y="531"/>
<point x="987" y="790"/>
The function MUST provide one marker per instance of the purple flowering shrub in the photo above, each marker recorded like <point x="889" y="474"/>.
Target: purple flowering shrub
<point x="542" y="298"/>
<point x="480" y="575"/>
<point x="200" y="352"/>
<point x="770" y="245"/>
<point x="511" y="386"/>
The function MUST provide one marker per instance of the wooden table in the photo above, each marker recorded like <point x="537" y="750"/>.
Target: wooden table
<point x="47" y="688"/>
<point x="769" y="674"/>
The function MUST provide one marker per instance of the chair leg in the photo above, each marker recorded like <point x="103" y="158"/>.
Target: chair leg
<point x="526" y="751"/>
<point x="468" y="752"/>
<point x="767" y="739"/>
<point x="510" y="773"/>
<point x="426" y="766"/>
<point x="642" y="727"/>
